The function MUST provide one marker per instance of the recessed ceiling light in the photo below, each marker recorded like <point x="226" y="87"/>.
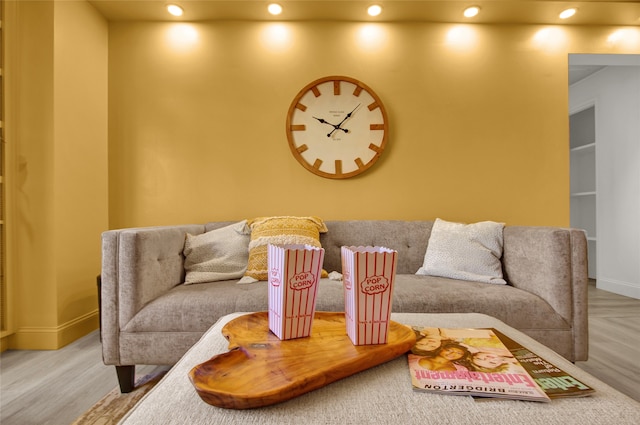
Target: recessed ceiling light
<point x="274" y="9"/>
<point x="567" y="13"/>
<point x="374" y="10"/>
<point x="175" y="10"/>
<point x="472" y="11"/>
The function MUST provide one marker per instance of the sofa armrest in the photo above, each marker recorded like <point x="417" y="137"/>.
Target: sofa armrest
<point x="551" y="263"/>
<point x="138" y="265"/>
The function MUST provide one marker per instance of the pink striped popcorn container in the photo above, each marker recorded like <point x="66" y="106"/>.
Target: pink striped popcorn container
<point x="368" y="274"/>
<point x="294" y="273"/>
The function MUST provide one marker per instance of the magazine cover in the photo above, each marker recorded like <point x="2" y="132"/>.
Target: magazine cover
<point x="555" y="382"/>
<point x="470" y="362"/>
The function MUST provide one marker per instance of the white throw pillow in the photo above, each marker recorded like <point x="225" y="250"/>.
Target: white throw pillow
<point x="465" y="251"/>
<point x="219" y="254"/>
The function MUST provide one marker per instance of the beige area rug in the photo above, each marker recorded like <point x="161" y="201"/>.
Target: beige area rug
<point x="112" y="407"/>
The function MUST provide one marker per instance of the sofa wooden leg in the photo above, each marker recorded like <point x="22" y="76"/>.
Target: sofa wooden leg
<point x="126" y="378"/>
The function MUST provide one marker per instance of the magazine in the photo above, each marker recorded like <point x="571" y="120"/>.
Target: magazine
<point x="555" y="382"/>
<point x="470" y="362"/>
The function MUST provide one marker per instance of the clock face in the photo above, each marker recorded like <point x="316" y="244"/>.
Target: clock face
<point x="337" y="127"/>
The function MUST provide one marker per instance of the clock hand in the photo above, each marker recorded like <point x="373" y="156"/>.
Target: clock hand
<point x="354" y="109"/>
<point x="324" y="122"/>
<point x="348" y="116"/>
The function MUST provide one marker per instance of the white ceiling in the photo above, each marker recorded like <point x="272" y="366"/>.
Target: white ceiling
<point x="580" y="72"/>
<point x="590" y="12"/>
<point x="583" y="65"/>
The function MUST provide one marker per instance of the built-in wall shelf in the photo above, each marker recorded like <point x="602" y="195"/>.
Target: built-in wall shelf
<point x="589" y="147"/>
<point x="583" y="192"/>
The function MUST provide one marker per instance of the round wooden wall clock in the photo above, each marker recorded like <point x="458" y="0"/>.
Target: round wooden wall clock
<point x="337" y="127"/>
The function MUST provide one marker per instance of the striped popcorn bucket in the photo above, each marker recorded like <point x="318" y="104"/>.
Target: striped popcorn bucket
<point x="294" y="272"/>
<point x="368" y="274"/>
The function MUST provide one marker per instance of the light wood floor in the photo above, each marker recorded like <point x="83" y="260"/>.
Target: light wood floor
<point x="55" y="387"/>
<point x="614" y="341"/>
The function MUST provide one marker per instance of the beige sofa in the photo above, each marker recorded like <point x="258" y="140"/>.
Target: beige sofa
<point x="148" y="316"/>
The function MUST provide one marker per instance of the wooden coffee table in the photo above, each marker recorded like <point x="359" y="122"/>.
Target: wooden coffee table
<point x="382" y="394"/>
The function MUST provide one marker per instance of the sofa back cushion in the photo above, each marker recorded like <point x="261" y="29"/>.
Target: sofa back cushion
<point x="409" y="238"/>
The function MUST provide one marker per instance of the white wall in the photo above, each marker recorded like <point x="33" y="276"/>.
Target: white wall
<point x="615" y="91"/>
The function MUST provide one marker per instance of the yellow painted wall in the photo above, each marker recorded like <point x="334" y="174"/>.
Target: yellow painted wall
<point x="80" y="159"/>
<point x="29" y="65"/>
<point x="56" y="62"/>
<point x="478" y="120"/>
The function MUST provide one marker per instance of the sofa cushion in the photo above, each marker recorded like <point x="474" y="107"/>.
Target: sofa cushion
<point x="465" y="251"/>
<point x="188" y="308"/>
<point x="409" y="238"/>
<point x="283" y="230"/>
<point x="220" y="254"/>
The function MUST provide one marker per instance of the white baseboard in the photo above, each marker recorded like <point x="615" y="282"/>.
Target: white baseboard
<point x="628" y="289"/>
<point x="52" y="338"/>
